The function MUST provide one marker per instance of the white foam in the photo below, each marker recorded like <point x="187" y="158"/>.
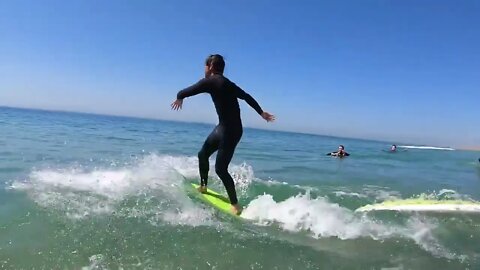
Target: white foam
<point x="318" y="216"/>
<point x="272" y="182"/>
<point x="420" y="230"/>
<point x="106" y="183"/>
<point x="324" y="219"/>
<point x="380" y="193"/>
<point x="97" y="261"/>
<point x="446" y="207"/>
<point x="348" y="194"/>
<point x="80" y="192"/>
<point x="445" y="194"/>
<point x="191" y="216"/>
<point x="426" y="147"/>
<point x="446" y="191"/>
<point x="242" y="175"/>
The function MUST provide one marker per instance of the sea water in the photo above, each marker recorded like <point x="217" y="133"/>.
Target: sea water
<point x="81" y="191"/>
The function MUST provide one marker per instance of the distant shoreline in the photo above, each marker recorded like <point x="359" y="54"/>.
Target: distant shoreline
<point x="473" y="149"/>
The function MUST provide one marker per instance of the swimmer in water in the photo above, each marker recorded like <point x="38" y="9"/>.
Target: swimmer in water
<point x="340" y="153"/>
<point x="393" y="148"/>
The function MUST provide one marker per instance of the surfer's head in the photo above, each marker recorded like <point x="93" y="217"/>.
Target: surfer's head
<point x="341" y="151"/>
<point x="394" y="147"/>
<point x="214" y="65"/>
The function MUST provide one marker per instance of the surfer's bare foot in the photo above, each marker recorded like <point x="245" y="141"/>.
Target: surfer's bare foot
<point x="202" y="189"/>
<point x="236" y="209"/>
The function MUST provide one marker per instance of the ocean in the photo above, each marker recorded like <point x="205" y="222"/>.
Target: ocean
<point x="83" y="191"/>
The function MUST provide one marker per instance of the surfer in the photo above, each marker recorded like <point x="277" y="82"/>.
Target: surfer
<point x="226" y="135"/>
<point x="340" y="153"/>
<point x="393" y="148"/>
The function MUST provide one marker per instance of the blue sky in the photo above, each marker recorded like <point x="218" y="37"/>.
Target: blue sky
<point x="403" y="71"/>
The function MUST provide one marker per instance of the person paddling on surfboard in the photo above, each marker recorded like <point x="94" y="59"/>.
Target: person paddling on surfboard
<point x="226" y="135"/>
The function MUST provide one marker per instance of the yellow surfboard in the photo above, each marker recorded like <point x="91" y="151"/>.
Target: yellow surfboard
<point x="216" y="200"/>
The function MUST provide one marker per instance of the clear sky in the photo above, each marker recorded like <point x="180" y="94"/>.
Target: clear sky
<point x="404" y="71"/>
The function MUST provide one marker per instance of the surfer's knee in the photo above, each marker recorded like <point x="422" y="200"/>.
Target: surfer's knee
<point x="201" y="154"/>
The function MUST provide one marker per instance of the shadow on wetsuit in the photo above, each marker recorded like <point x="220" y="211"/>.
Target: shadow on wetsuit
<point x="226" y="135"/>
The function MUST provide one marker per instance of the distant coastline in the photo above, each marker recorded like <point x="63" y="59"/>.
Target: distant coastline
<point x="471" y="148"/>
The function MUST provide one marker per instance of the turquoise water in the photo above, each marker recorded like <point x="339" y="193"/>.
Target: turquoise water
<point x="82" y="191"/>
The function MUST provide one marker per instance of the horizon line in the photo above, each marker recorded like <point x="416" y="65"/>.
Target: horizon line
<point x="468" y="148"/>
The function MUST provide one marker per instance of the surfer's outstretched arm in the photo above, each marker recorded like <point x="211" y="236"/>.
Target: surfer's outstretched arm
<point x="201" y="86"/>
<point x="254" y="104"/>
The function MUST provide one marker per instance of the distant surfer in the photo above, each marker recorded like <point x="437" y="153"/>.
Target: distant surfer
<point x="393" y="148"/>
<point x="340" y="153"/>
<point x="226" y="135"/>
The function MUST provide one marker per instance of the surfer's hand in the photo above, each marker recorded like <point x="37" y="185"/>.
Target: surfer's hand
<point x="177" y="104"/>
<point x="268" y="117"/>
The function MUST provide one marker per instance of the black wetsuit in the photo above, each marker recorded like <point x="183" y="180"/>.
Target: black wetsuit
<point x="227" y="133"/>
<point x="337" y="154"/>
